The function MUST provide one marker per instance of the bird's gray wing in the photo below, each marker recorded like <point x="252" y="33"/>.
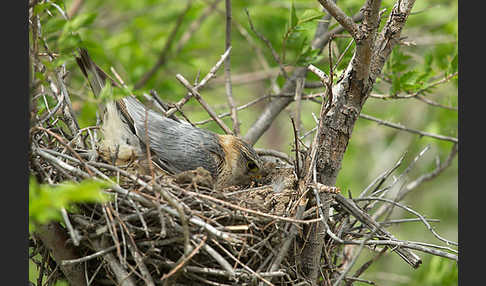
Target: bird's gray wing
<point x="178" y="146"/>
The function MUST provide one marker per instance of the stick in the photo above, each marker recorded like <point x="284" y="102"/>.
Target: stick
<point x="227" y="70"/>
<point x="211" y="74"/>
<point x="165" y="50"/>
<point x="410" y="257"/>
<point x="401" y="127"/>
<point x="203" y="103"/>
<point x="186" y="259"/>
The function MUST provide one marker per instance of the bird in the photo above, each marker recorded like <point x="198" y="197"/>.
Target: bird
<point x="129" y="128"/>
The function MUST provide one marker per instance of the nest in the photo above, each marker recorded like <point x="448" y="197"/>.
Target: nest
<point x="160" y="228"/>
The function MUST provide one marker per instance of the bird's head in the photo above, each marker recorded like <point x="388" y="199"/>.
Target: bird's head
<point x="242" y="164"/>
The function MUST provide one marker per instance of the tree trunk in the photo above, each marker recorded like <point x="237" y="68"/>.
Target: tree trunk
<point x="349" y="95"/>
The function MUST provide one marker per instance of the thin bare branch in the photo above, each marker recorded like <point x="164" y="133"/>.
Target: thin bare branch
<point x="410" y="257"/>
<point x="275" y="55"/>
<point x="203" y="103"/>
<point x="122" y="276"/>
<point x="429" y="176"/>
<point x="209" y="75"/>
<point x="89" y="257"/>
<point x="242" y="264"/>
<point x="163" y="56"/>
<point x="186" y="259"/>
<point x="353" y="260"/>
<point x="226" y="114"/>
<point x="227" y="71"/>
<point x="338" y="14"/>
<point x="429" y="227"/>
<point x="390" y="35"/>
<point x="401" y="127"/>
<point x="72" y="232"/>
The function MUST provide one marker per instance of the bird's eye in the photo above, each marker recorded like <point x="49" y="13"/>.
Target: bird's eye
<point x="252" y="166"/>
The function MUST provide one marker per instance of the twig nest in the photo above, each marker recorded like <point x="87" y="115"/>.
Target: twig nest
<point x="276" y="193"/>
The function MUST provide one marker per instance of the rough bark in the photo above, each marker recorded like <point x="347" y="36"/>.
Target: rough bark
<point x="332" y="141"/>
<point x="350" y="94"/>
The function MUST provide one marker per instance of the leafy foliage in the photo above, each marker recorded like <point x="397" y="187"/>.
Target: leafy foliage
<point x="46" y="201"/>
<point x="297" y="32"/>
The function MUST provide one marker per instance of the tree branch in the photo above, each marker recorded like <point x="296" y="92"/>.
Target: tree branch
<point x="404" y="128"/>
<point x="122" y="276"/>
<point x="390" y="35"/>
<point x="227" y="71"/>
<point x="366" y="39"/>
<point x="165" y="50"/>
<point x="349" y="96"/>
<point x="343" y="19"/>
<point x="203" y="103"/>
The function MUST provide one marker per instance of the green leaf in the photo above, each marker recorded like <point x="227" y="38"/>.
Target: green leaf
<point x="309" y="56"/>
<point x="46" y="201"/>
<point x="61" y="283"/>
<point x="441" y="272"/>
<point x="293" y="20"/>
<point x="61" y="59"/>
<point x="443" y="53"/>
<point x="38" y="8"/>
<point x="408" y="76"/>
<point x="310" y="15"/>
<point x="70" y="38"/>
<point x="396" y="85"/>
<point x="422" y="80"/>
<point x="40" y="76"/>
<point x="54" y="25"/>
<point x="398" y="61"/>
<point x="81" y="20"/>
<point x="428" y="61"/>
<point x="88" y="114"/>
<point x="120" y="92"/>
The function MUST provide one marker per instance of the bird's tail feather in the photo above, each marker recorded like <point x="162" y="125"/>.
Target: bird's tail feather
<point x="97" y="78"/>
<point x="93" y="73"/>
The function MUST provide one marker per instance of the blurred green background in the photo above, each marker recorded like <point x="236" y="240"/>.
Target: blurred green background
<point x="129" y="35"/>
